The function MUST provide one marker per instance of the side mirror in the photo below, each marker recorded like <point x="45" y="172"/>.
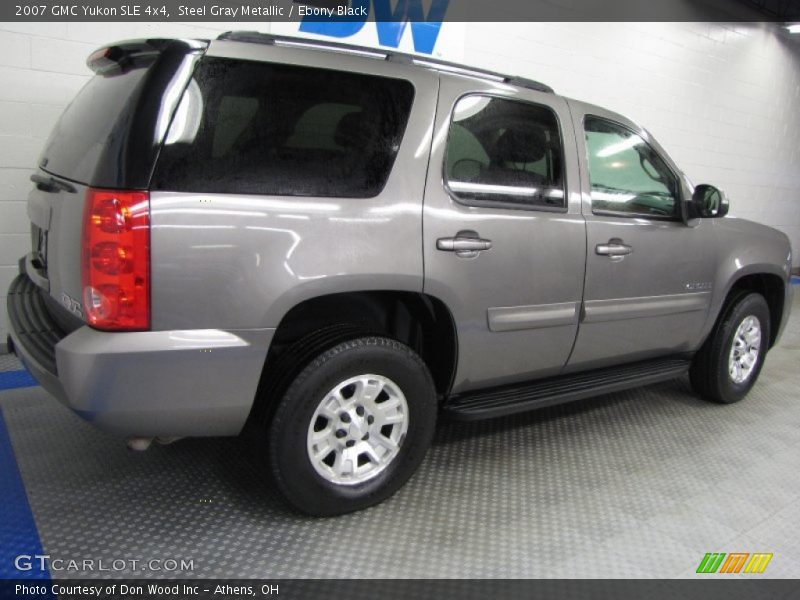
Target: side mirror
<point x="709" y="202"/>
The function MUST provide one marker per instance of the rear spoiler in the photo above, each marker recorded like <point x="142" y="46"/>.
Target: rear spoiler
<point x="130" y="54"/>
<point x="127" y="160"/>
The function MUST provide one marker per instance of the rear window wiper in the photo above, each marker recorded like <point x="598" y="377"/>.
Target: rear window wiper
<point x="51" y="184"/>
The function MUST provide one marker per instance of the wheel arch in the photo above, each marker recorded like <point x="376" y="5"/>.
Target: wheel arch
<point x="771" y="286"/>
<point x="421" y="321"/>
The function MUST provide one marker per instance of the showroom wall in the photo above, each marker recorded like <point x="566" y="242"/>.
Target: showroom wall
<point x="723" y="100"/>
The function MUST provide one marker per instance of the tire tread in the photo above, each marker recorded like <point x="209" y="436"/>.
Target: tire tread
<point x="708" y="373"/>
<point x="282" y="417"/>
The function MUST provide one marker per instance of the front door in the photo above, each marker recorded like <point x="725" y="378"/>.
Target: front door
<point x="648" y="274"/>
<point x="504" y="240"/>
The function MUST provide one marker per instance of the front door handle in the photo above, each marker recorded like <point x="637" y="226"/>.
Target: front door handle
<point x="615" y="248"/>
<point x="464" y="244"/>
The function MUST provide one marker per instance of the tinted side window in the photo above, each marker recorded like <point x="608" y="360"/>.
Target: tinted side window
<point x="261" y="128"/>
<point x="626" y="173"/>
<point x="504" y="151"/>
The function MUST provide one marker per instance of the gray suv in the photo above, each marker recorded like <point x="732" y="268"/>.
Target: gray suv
<point x="336" y="245"/>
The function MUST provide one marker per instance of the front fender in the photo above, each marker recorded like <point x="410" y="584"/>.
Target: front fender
<point x="745" y="248"/>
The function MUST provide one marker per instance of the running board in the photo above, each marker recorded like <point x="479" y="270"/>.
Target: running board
<point x="506" y="400"/>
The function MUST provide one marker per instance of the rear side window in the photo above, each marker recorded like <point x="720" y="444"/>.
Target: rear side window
<point x="504" y="152"/>
<point x="273" y="129"/>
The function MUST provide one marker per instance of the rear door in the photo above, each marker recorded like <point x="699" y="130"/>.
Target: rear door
<point x="68" y="165"/>
<point x="648" y="274"/>
<point x="504" y="240"/>
<point x="107" y="137"/>
<point x="55" y="209"/>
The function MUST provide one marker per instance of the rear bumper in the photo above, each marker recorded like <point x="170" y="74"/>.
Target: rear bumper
<point x="34" y="333"/>
<point x="151" y="383"/>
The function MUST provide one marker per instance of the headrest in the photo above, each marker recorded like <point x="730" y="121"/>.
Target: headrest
<point x="352" y="131"/>
<point x="520" y="146"/>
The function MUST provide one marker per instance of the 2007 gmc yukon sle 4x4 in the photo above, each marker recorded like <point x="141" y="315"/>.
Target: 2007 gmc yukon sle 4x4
<point x="336" y="245"/>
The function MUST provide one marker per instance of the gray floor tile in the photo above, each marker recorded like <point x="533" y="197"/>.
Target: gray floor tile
<point x="636" y="484"/>
<point x="9" y="362"/>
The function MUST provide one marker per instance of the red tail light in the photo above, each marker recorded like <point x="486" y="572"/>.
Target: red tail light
<point x="115" y="269"/>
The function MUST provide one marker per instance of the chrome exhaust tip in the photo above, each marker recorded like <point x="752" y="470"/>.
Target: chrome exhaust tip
<point x="139" y="444"/>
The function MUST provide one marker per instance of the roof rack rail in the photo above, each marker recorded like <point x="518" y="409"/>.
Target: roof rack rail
<point x="256" y="37"/>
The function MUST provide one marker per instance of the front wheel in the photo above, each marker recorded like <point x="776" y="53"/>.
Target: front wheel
<point x="353" y="426"/>
<point x="728" y="364"/>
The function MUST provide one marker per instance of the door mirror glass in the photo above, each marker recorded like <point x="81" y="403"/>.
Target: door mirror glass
<point x="709" y="202"/>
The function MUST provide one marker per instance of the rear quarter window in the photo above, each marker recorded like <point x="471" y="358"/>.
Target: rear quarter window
<point x="273" y="129"/>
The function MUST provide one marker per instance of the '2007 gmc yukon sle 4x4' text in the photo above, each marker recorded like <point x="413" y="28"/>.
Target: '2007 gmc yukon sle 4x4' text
<point x="338" y="246"/>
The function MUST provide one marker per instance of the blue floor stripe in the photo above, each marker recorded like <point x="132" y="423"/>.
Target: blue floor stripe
<point x="18" y="533"/>
<point x="795" y="280"/>
<point x="10" y="380"/>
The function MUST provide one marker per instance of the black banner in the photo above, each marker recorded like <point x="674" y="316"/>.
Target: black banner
<point x="433" y="11"/>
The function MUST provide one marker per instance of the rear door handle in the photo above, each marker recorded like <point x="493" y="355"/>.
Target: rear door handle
<point x="615" y="248"/>
<point x="465" y="246"/>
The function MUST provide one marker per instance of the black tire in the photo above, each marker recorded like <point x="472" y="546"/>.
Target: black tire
<point x="297" y="479"/>
<point x="709" y="373"/>
<point x="284" y="368"/>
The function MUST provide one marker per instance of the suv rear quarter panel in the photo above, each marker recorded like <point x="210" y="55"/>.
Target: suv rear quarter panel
<point x="230" y="261"/>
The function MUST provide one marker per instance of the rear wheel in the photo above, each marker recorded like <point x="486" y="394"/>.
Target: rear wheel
<point x="728" y="364"/>
<point x="352" y="427"/>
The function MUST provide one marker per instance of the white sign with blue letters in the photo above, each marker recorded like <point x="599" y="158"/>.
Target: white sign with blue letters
<point x="413" y="26"/>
